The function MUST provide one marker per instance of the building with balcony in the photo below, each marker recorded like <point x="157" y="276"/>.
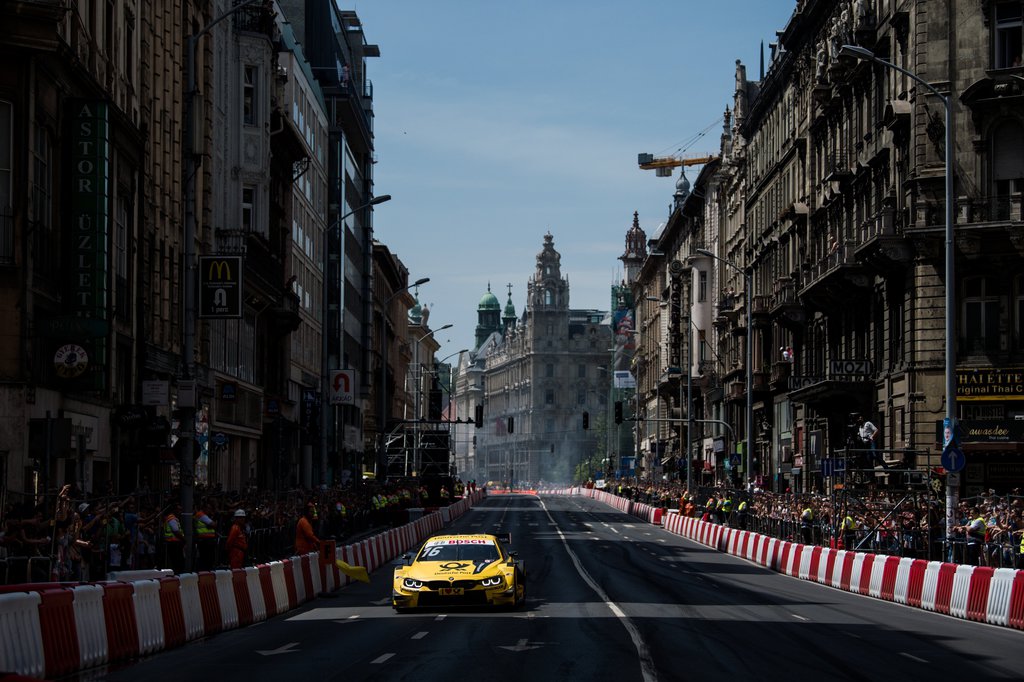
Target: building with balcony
<point x="831" y="196"/>
<point x="336" y="46"/>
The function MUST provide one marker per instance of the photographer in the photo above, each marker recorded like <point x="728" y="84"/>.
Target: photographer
<point x="867" y="433"/>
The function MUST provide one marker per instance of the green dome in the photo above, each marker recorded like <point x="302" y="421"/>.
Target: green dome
<point x="489" y="301"/>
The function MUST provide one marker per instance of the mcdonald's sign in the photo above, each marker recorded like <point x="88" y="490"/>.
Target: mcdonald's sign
<point x="220" y="286"/>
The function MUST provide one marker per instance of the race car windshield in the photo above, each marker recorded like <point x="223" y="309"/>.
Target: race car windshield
<point x="459" y="552"/>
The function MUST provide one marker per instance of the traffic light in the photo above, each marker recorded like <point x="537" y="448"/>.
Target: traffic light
<point x="478" y="417"/>
<point x="618" y="411"/>
<point x="586" y="420"/>
<point x="511" y="424"/>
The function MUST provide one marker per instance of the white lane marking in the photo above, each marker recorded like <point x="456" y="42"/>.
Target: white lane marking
<point x="913" y="658"/>
<point x="381" y="659"/>
<point x="799" y="617"/>
<point x="441" y="616"/>
<point x="647" y="669"/>
<point x="419" y="635"/>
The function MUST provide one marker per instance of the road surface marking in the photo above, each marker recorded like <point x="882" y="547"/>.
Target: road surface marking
<point x="799" y="617"/>
<point x="286" y="649"/>
<point x="647" y="670"/>
<point x="913" y="658"/>
<point x="381" y="659"/>
<point x="419" y="635"/>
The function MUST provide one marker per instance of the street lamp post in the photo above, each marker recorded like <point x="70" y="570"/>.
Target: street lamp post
<point x="689" y="397"/>
<point x="325" y="341"/>
<point x="187" y="432"/>
<point x="457" y="420"/>
<point x="382" y="399"/>
<point x="419" y="393"/>
<point x="858" y="52"/>
<point x="748" y="286"/>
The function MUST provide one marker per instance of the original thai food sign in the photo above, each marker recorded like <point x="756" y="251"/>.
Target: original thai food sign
<point x="990" y="383"/>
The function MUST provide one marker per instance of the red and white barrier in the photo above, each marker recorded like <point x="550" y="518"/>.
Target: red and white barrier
<point x="995" y="596"/>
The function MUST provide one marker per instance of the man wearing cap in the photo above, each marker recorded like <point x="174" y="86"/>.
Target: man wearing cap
<point x="238" y="540"/>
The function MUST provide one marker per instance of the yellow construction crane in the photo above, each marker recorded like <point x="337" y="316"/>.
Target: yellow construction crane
<point x="663" y="165"/>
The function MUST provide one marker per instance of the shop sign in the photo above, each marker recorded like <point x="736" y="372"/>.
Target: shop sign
<point x="990" y="383"/>
<point x="994" y="431"/>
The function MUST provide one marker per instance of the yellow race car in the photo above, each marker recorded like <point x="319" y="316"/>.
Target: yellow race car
<point x="460" y="570"/>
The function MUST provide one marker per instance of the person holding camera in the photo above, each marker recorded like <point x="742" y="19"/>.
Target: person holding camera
<point x="868" y="432"/>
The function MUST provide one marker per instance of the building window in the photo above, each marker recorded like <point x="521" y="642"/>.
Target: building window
<point x="41" y="187"/>
<point x="549" y="396"/>
<point x="249" y="95"/>
<point x="1009" y="27"/>
<point x="549" y="370"/>
<point x="1007" y="169"/>
<point x="6" y="212"/>
<point x="581" y="396"/>
<point x="581" y="371"/>
<point x="702" y="287"/>
<point x="129" y="46"/>
<point x="549" y="298"/>
<point x="980" y="315"/>
<point x="122" y="290"/>
<point x="248" y="208"/>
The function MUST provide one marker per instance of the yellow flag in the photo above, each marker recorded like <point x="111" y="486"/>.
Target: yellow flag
<point x="355" y="572"/>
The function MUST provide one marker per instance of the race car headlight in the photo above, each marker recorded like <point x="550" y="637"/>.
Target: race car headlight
<point x="410" y="584"/>
<point x="493" y="581"/>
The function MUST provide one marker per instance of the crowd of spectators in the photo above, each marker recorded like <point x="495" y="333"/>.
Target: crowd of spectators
<point x="70" y="536"/>
<point x="988" y="530"/>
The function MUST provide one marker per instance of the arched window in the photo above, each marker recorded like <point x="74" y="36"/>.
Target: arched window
<point x="549" y="297"/>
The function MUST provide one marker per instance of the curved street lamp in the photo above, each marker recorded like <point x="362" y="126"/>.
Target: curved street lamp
<point x="748" y="286"/>
<point x="418" y="417"/>
<point x="382" y="400"/>
<point x="325" y="342"/>
<point x="861" y="53"/>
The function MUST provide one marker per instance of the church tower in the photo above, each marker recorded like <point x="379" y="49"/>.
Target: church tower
<point x="488" y="317"/>
<point x="636" y="251"/>
<point x="508" y="319"/>
<point x="547" y="297"/>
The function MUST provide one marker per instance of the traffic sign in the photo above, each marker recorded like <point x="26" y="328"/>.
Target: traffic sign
<point x="220" y="287"/>
<point x="953" y="459"/>
<point x="343" y="386"/>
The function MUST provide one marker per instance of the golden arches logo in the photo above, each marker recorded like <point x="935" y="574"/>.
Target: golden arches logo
<point x="221" y="267"/>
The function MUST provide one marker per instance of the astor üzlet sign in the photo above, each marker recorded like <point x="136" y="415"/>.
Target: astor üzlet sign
<point x="990" y="383"/>
<point x="220" y="286"/>
<point x="90" y="215"/>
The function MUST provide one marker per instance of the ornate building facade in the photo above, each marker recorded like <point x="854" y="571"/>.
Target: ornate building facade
<point x="534" y="379"/>
<point x="830" y="197"/>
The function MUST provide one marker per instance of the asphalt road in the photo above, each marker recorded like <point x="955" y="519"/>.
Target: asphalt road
<point x="609" y="597"/>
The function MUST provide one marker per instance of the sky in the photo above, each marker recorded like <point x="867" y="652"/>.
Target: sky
<point x="498" y="122"/>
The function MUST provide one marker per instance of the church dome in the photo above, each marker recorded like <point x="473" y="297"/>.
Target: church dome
<point x="489" y="301"/>
<point x="416" y="312"/>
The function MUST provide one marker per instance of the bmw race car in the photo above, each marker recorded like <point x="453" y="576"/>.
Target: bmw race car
<point x="460" y="570"/>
